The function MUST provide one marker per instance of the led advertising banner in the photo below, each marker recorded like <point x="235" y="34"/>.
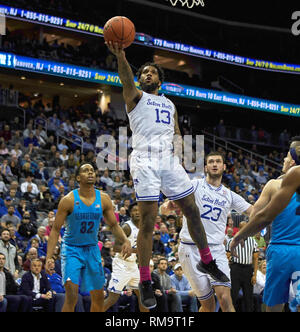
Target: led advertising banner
<point x="146" y="40"/>
<point x="16" y="62"/>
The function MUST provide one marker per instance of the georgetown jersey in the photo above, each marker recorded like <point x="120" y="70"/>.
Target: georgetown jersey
<point x="82" y="225"/>
<point x="152" y="125"/>
<point x="285" y="228"/>
<point x="133" y="239"/>
<point x="214" y="205"/>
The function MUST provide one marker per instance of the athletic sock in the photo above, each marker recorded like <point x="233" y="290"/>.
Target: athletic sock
<point x="205" y="255"/>
<point x="145" y="274"/>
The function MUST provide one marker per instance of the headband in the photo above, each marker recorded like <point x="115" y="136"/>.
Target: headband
<point x="294" y="155"/>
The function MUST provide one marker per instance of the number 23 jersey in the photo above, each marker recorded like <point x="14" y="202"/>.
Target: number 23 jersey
<point x="214" y="203"/>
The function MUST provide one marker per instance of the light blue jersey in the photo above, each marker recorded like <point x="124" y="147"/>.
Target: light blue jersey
<point x="80" y="254"/>
<point x="283" y="254"/>
<point x="286" y="226"/>
<point x="82" y="225"/>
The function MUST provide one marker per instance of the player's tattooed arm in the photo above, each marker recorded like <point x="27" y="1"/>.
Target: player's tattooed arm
<point x="178" y="141"/>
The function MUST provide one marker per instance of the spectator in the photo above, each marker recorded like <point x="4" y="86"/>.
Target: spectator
<point x="31" y="139"/>
<point x="29" y="195"/>
<point x="11" y="217"/>
<point x="123" y="215"/>
<point x="10" y="252"/>
<point x="161" y="297"/>
<point x="259" y="286"/>
<point x="174" y="300"/>
<point x="55" y="188"/>
<point x="41" y="173"/>
<point x="5" y="170"/>
<point x="261" y="178"/>
<point x="172" y="261"/>
<point x="4" y="208"/>
<point x="64" y="156"/>
<point x="9" y="291"/>
<point x="164" y="234"/>
<point x="127" y="190"/>
<point x="25" y="184"/>
<point x="41" y="232"/>
<point x="47" y="203"/>
<point x="157" y="247"/>
<point x="105" y="178"/>
<point x="15" y="239"/>
<point x="31" y="254"/>
<point x="27" y="228"/>
<point x="36" y="285"/>
<point x="230" y="225"/>
<point x="184" y="290"/>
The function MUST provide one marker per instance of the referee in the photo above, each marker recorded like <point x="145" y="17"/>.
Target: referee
<point x="243" y="270"/>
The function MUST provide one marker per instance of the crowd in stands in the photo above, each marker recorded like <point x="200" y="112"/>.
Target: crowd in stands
<point x="37" y="170"/>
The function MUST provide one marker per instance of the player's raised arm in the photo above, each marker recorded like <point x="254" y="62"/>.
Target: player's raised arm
<point x="111" y="221"/>
<point x="65" y="207"/>
<point x="130" y="92"/>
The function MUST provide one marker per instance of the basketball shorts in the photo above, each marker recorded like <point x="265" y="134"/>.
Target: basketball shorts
<point x="82" y="266"/>
<point x="201" y="283"/>
<point x="154" y="175"/>
<point x="123" y="274"/>
<point x="283" y="265"/>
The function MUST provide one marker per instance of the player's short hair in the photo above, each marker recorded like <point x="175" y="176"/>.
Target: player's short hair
<point x="160" y="71"/>
<point x="215" y="153"/>
<point x="131" y="206"/>
<point x="81" y="164"/>
<point x="162" y="259"/>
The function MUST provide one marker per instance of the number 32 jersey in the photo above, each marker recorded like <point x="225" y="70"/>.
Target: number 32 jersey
<point x="214" y="205"/>
<point x="152" y="124"/>
<point x="82" y="225"/>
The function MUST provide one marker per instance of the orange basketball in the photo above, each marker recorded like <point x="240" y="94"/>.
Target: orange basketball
<point x="119" y="29"/>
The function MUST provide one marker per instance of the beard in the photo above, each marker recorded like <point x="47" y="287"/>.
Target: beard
<point x="149" y="87"/>
<point x="215" y="175"/>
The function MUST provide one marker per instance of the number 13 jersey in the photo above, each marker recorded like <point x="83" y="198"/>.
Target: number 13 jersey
<point x="214" y="205"/>
<point x="152" y="125"/>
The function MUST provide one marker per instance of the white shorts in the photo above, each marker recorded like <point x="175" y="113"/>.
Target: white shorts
<point x="202" y="283"/>
<point x="123" y="274"/>
<point x="153" y="175"/>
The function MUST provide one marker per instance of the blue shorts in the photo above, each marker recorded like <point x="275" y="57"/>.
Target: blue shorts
<point x="282" y="262"/>
<point x="82" y="265"/>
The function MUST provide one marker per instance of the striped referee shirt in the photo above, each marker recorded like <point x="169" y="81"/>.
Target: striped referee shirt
<point x="245" y="254"/>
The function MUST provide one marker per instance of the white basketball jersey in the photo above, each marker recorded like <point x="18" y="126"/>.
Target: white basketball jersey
<point x="133" y="239"/>
<point x="214" y="205"/>
<point x="152" y="125"/>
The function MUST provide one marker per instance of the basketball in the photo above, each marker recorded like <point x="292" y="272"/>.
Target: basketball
<point x="119" y="29"/>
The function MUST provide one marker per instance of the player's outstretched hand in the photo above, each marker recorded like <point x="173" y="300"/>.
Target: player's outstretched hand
<point x="126" y="249"/>
<point x="115" y="48"/>
<point x="168" y="208"/>
<point x="234" y="243"/>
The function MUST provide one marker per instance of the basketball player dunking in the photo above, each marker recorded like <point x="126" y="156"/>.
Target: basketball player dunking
<point x="279" y="205"/>
<point x="82" y="210"/>
<point x="154" y="122"/>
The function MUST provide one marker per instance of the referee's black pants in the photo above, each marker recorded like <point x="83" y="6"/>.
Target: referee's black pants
<point x="241" y="276"/>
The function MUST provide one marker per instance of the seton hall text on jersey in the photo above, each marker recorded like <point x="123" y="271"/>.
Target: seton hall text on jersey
<point x="213" y="201"/>
<point x="154" y="103"/>
<point x="87" y="216"/>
